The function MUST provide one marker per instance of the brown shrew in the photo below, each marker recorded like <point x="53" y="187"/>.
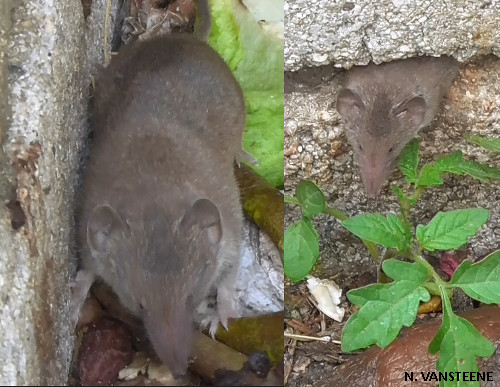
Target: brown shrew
<point x="385" y="106"/>
<point x="159" y="212"/>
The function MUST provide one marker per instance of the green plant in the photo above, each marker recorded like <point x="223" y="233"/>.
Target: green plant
<point x="386" y="308"/>
<point x="256" y="56"/>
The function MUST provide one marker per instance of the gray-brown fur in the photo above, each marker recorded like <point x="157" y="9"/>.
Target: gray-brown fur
<point x="201" y="95"/>
<point x="384" y="107"/>
<point x="160" y="216"/>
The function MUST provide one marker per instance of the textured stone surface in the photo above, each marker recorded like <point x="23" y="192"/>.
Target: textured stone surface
<point x="47" y="87"/>
<point x="344" y="32"/>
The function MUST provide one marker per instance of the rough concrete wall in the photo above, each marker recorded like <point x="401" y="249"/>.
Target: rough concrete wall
<point x="47" y="92"/>
<point x="347" y="32"/>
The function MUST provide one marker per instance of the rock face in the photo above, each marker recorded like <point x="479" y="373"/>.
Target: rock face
<point x="353" y="32"/>
<point x="45" y="77"/>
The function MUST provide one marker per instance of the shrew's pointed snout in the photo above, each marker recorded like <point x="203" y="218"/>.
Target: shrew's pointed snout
<point x="172" y="339"/>
<point x="374" y="175"/>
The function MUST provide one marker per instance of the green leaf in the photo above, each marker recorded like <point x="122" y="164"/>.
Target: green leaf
<point x="399" y="193"/>
<point x="481" y="280"/>
<point x="256" y="57"/>
<point x="451" y="163"/>
<point x="260" y="75"/>
<point x="399" y="270"/>
<point x="290" y="200"/>
<point x="388" y="232"/>
<point x="264" y="137"/>
<point x="432" y="288"/>
<point x="362" y="296"/>
<point x="311" y="198"/>
<point x="225" y="33"/>
<point x="408" y="162"/>
<point x="301" y="249"/>
<point x="385" y="309"/>
<point x="492" y="144"/>
<point x="450" y="230"/>
<point x="480" y="171"/>
<point x="459" y="343"/>
<point x="456" y="164"/>
<point x="429" y="176"/>
<point x="395" y="269"/>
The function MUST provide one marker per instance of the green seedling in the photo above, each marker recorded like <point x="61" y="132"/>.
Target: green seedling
<point x="386" y="308"/>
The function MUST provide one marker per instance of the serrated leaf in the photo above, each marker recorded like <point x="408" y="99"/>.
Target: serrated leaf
<point x="399" y="270"/>
<point x="429" y="176"/>
<point x="480" y="171"/>
<point x="301" y="249"/>
<point x="311" y="198"/>
<point x="481" y="280"/>
<point x="388" y="232"/>
<point x="456" y="164"/>
<point x="450" y="230"/>
<point x="400" y="194"/>
<point x="368" y="293"/>
<point x="492" y="144"/>
<point x="408" y="162"/>
<point x="386" y="308"/>
<point x="459" y="343"/>
<point x="451" y="163"/>
<point x="395" y="269"/>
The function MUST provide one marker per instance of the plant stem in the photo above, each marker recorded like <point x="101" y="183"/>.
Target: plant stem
<point x="335" y="213"/>
<point x="405" y="206"/>
<point x="290" y="200"/>
<point x="372" y="249"/>
<point x="437" y="279"/>
<point x="418" y="192"/>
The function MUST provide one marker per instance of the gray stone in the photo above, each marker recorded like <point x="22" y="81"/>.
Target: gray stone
<point x="344" y="33"/>
<point x="44" y="75"/>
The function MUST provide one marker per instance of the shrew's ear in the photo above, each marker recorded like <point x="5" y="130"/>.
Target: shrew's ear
<point x="204" y="214"/>
<point x="411" y="111"/>
<point x="349" y="105"/>
<point x="104" y="227"/>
